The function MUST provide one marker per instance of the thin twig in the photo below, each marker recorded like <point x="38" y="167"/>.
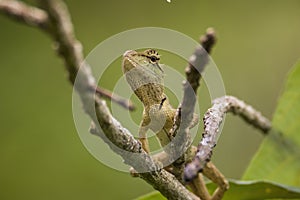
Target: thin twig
<point x="212" y="121"/>
<point x="37" y="17"/>
<point x="184" y="116"/>
<point x="115" y="98"/>
<point x="29" y="15"/>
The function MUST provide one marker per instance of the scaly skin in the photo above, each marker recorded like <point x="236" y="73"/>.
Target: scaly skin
<point x="145" y="77"/>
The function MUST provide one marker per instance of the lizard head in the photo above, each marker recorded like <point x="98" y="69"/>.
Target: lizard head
<point x="148" y="59"/>
<point x="144" y="73"/>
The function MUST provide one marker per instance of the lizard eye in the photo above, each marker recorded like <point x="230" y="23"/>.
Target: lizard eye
<point x="154" y="58"/>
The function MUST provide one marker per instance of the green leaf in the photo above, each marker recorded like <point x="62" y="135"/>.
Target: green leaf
<point x="278" y="158"/>
<point x="256" y="190"/>
<point x="246" y="190"/>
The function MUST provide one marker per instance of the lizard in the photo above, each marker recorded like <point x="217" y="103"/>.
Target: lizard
<point x="145" y="75"/>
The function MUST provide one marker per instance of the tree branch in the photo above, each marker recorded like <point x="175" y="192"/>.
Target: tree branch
<point x="212" y="121"/>
<point x="185" y="111"/>
<point x="29" y="15"/>
<point x="71" y="48"/>
<point x="108" y="128"/>
<point x="115" y="98"/>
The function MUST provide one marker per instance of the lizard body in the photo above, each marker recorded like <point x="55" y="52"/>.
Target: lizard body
<point x="145" y="75"/>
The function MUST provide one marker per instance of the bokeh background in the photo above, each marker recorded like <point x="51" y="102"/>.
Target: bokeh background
<point x="41" y="155"/>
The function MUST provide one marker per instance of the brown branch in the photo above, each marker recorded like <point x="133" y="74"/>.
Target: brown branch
<point x="29" y="15"/>
<point x="212" y="121"/>
<point x="198" y="62"/>
<point x="36" y="17"/>
<point x="185" y="111"/>
<point x="115" y="98"/>
<point x="119" y="138"/>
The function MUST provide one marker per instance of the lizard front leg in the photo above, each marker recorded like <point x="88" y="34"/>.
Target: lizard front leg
<point x="143" y="136"/>
<point x="145" y="145"/>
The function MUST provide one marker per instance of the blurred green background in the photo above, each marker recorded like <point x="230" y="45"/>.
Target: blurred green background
<point x="41" y="156"/>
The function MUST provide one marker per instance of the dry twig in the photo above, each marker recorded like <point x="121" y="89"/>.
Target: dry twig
<point x="185" y="111"/>
<point x="29" y="15"/>
<point x="212" y="121"/>
<point x="36" y="17"/>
